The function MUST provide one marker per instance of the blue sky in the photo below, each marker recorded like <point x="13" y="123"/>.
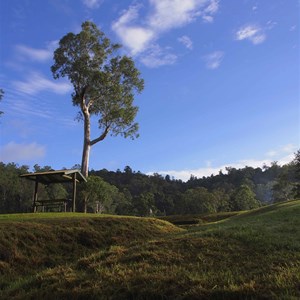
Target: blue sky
<point x="221" y="83"/>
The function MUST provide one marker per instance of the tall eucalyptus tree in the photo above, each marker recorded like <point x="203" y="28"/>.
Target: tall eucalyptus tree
<point x="104" y="82"/>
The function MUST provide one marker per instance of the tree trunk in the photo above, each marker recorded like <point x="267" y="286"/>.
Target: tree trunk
<point x="85" y="159"/>
<point x="86" y="146"/>
<point x="85" y="200"/>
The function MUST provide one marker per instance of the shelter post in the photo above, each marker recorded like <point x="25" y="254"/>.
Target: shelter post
<point x="74" y="193"/>
<point x="35" y="196"/>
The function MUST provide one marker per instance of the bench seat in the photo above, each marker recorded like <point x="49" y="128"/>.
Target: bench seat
<point x="52" y="203"/>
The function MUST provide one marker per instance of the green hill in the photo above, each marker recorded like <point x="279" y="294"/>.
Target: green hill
<point x="250" y="255"/>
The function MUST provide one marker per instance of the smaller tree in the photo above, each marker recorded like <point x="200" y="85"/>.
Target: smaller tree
<point x="56" y="191"/>
<point x="284" y="187"/>
<point x="222" y="200"/>
<point x="199" y="200"/>
<point x="282" y="190"/>
<point x="98" y="195"/>
<point x="124" y="204"/>
<point x="244" y="199"/>
<point x="15" y="193"/>
<point x="144" y="204"/>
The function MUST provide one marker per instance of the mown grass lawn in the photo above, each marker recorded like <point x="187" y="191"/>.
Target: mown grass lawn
<point x="249" y="255"/>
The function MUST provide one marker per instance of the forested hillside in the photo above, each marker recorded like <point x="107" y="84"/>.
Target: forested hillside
<point x="132" y="193"/>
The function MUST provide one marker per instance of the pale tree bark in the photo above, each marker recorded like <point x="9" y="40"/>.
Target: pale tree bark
<point x="85" y="159"/>
<point x="87" y="142"/>
<point x="86" y="139"/>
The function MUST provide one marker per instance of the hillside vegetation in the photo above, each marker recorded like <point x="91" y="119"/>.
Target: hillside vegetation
<point x="136" y="194"/>
<point x="250" y="255"/>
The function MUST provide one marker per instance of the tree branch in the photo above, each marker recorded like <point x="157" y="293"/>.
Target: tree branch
<point x="101" y="137"/>
<point x="90" y="103"/>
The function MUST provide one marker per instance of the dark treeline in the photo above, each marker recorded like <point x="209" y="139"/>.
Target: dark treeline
<point x="133" y="193"/>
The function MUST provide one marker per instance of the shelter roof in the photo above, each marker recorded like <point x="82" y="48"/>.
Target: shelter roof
<point x="59" y="176"/>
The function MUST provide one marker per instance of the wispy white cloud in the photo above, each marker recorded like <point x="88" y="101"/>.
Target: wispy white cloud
<point x="30" y="108"/>
<point x="283" y="155"/>
<point x="214" y="59"/>
<point x="36" y="83"/>
<point x="135" y="38"/>
<point x="155" y="57"/>
<point x="186" y="41"/>
<point x="22" y="108"/>
<point x="253" y="33"/>
<point x="92" y="3"/>
<point x="286" y="150"/>
<point x="210" y="10"/>
<point x="34" y="54"/>
<point x="14" y="152"/>
<point x="140" y="35"/>
<point x="169" y="14"/>
<point x="270" y="24"/>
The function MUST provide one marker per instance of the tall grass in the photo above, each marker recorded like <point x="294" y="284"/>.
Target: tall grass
<point x="252" y="255"/>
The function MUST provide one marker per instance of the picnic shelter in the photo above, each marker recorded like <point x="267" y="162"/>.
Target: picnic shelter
<point x="61" y="176"/>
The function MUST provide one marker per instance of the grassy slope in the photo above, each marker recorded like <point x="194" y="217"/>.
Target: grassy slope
<point x="253" y="254"/>
<point x="187" y="220"/>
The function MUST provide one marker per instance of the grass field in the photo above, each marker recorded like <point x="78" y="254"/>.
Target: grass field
<point x="246" y="255"/>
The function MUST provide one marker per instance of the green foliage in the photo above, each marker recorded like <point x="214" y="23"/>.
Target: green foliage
<point x="124" y="204"/>
<point x="253" y="255"/>
<point x="285" y="186"/>
<point x="134" y="193"/>
<point x="143" y="205"/>
<point x="98" y="195"/>
<point x="296" y="163"/>
<point x="56" y="191"/>
<point x="244" y="199"/>
<point x="199" y="200"/>
<point x="15" y="194"/>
